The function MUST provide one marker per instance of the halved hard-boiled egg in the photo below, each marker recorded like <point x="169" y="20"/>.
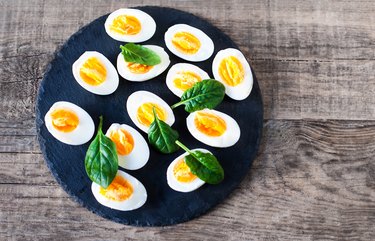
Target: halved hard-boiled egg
<point x="179" y="176"/>
<point x="213" y="128"/>
<point x="189" y="43"/>
<point x="125" y="193"/>
<point x="231" y="68"/>
<point x="130" y="25"/>
<point x="183" y="76"/>
<point x="94" y="72"/>
<point x="139" y="106"/>
<point x="69" y="123"/>
<point x="132" y="149"/>
<point x="140" y="72"/>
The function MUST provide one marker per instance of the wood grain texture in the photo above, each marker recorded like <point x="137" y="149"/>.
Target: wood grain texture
<point x="314" y="177"/>
<point x="312" y="180"/>
<point x="297" y="48"/>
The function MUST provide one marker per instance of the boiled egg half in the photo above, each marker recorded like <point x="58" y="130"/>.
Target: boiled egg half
<point x="231" y="68"/>
<point x="132" y="149"/>
<point x="188" y="43"/>
<point x="139" y="106"/>
<point x="140" y="72"/>
<point x="179" y="176"/>
<point x="183" y="76"/>
<point x="69" y="123"/>
<point x="130" y="25"/>
<point x="95" y="73"/>
<point x="213" y="128"/>
<point x="125" y="193"/>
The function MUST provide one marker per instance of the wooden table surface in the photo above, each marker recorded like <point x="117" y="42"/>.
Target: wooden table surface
<point x="314" y="176"/>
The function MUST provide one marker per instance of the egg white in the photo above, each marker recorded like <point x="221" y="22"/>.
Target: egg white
<point x="227" y="139"/>
<point x="175" y="69"/>
<point x="183" y="186"/>
<point x="81" y="134"/>
<point x="148" y="26"/>
<point x="136" y="200"/>
<point x="111" y="82"/>
<point x="243" y="90"/>
<point x="140" y="154"/>
<point x="137" y="98"/>
<point x="155" y="71"/>
<point x="207" y="45"/>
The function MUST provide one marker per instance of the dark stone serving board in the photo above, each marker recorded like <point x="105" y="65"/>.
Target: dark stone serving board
<point x="164" y="206"/>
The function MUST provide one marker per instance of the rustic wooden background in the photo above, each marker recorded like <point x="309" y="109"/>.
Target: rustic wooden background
<point x="314" y="177"/>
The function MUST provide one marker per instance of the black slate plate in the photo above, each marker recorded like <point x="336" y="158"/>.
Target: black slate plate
<point x="164" y="206"/>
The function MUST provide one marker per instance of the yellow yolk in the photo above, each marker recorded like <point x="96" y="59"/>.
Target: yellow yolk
<point x="185" y="80"/>
<point x="210" y="124"/>
<point x="136" y="68"/>
<point x="119" y="189"/>
<point x="124" y="141"/>
<point x="126" y="25"/>
<point x="64" y="120"/>
<point x="182" y="172"/>
<point x="93" y="72"/>
<point x="145" y="116"/>
<point x="186" y="42"/>
<point x="231" y="71"/>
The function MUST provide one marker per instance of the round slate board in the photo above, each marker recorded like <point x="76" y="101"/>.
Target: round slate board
<point x="164" y="206"/>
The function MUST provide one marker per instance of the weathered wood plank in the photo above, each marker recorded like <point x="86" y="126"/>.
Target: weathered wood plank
<point x="312" y="180"/>
<point x="321" y="143"/>
<point x="314" y="90"/>
<point x="286" y="29"/>
<point x="250" y="213"/>
<point x="312" y="60"/>
<point x="291" y="89"/>
<point x="26" y="168"/>
<point x="18" y="136"/>
<point x="18" y="129"/>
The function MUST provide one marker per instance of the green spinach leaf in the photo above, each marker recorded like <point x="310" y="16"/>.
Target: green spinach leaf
<point x="101" y="161"/>
<point x="205" y="94"/>
<point x="203" y="165"/>
<point x="136" y="53"/>
<point x="161" y="136"/>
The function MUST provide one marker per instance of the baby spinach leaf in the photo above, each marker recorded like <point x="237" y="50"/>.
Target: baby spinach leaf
<point x="136" y="53"/>
<point x="161" y="136"/>
<point x="203" y="165"/>
<point x="205" y="94"/>
<point x="101" y="161"/>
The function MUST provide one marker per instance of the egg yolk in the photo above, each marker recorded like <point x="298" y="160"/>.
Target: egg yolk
<point x="93" y="72"/>
<point x="124" y="141"/>
<point x="231" y="71"/>
<point x="64" y="120"/>
<point x="119" y="189"/>
<point x="186" y="42"/>
<point x="185" y="80"/>
<point x="136" y="68"/>
<point x="182" y="172"/>
<point x="145" y="116"/>
<point x="126" y="25"/>
<point x="210" y="124"/>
